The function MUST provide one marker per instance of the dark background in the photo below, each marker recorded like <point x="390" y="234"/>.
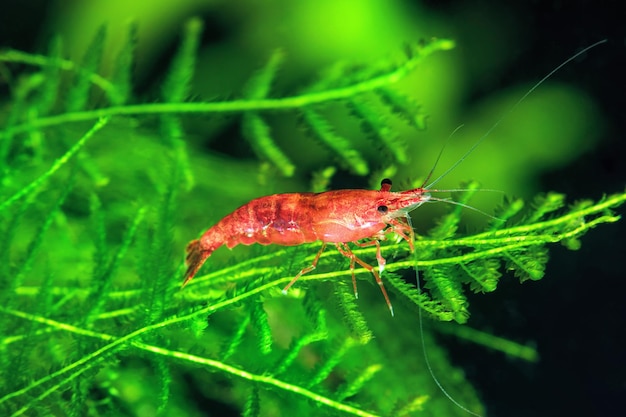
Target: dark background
<point x="576" y="315"/>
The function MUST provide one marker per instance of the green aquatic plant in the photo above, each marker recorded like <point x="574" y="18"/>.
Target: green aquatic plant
<point x="94" y="193"/>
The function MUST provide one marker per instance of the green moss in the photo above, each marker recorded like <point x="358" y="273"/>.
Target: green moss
<point x="97" y="204"/>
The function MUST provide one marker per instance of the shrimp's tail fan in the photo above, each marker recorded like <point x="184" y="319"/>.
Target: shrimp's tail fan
<point x="196" y="255"/>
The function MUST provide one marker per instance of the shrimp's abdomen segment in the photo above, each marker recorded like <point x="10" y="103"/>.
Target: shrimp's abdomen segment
<point x="276" y="219"/>
<point x="281" y="219"/>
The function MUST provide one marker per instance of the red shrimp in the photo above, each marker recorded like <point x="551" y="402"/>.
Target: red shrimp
<point x="362" y="217"/>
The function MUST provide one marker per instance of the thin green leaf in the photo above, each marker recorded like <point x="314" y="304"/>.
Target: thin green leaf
<point x="403" y="106"/>
<point x="375" y="125"/>
<point x="260" y="84"/>
<point x="257" y="132"/>
<point x="122" y="75"/>
<point x="508" y="209"/>
<point x="322" y="131"/>
<point x="78" y="94"/>
<point x="351" y="313"/>
<point x="444" y="286"/>
<point x="544" y="204"/>
<point x="49" y="90"/>
<point x="264" y="333"/>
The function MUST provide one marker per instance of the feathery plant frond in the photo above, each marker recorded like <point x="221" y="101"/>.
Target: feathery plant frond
<point x="404" y="107"/>
<point x="352" y="316"/>
<point x="255" y="128"/>
<point x="351" y="86"/>
<point x="376" y="127"/>
<point x="90" y="269"/>
<point x="257" y="132"/>
<point x="319" y="127"/>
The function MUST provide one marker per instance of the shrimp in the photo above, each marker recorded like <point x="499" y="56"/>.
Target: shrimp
<point x="362" y="217"/>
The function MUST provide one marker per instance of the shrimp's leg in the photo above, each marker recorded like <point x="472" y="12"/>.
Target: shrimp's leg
<point x="381" y="261"/>
<point x="307" y="269"/>
<point x="379" y="257"/>
<point x="356" y="291"/>
<point x="402" y="229"/>
<point x="347" y="252"/>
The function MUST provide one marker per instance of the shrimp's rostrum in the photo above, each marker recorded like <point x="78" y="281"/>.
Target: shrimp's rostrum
<point x="362" y="217"/>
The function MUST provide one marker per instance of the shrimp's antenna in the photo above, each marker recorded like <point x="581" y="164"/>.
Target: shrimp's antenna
<point x="443" y="148"/>
<point x="421" y="326"/>
<point x="508" y="112"/>
<point x="457" y="203"/>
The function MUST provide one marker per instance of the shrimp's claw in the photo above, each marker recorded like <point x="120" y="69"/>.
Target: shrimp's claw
<point x="196" y="255"/>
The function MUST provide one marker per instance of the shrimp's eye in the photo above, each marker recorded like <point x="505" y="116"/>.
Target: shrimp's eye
<point x="383" y="209"/>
